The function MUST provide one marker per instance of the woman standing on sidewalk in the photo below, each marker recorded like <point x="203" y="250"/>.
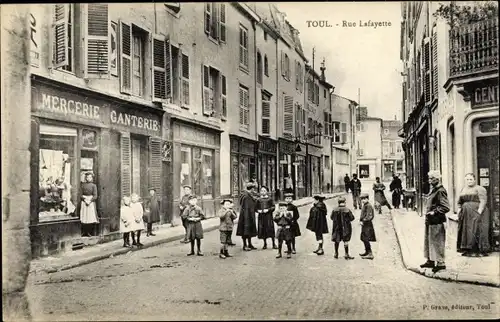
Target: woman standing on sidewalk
<point x="473" y="220"/>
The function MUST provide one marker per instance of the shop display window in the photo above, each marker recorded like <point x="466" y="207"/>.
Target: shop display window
<point x="197" y="171"/>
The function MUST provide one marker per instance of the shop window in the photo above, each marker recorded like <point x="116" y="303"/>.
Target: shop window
<point x="185" y="168"/>
<point x="197" y="168"/>
<point x="57" y="172"/>
<point x="235" y="187"/>
<point x="207" y="183"/>
<point x="364" y="171"/>
<point x="301" y="169"/>
<point x="138" y="38"/>
<point x="399" y="166"/>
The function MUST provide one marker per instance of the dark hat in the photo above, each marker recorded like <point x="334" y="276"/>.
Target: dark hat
<point x="319" y="197"/>
<point x="364" y="195"/>
<point x="192" y="197"/>
<point x="341" y="199"/>
<point x="186" y="186"/>
<point x="288" y="194"/>
<point x="152" y="188"/>
<point x="282" y="204"/>
<point x="222" y="201"/>
<point x="250" y="185"/>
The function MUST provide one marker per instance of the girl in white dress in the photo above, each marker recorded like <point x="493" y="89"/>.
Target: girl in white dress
<point x="138" y="223"/>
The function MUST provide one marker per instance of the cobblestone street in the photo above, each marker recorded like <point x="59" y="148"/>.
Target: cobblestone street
<point x="162" y="283"/>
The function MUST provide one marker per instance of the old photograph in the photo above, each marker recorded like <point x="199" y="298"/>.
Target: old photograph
<point x="186" y="161"/>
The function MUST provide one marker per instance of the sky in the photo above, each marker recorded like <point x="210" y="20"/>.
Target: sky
<point x="356" y="57"/>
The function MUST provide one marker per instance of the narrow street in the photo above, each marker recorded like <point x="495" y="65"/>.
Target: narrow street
<point x="162" y="283"/>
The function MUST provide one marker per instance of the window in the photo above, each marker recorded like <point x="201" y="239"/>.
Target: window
<point x="244" y="108"/>
<point x="197" y="166"/>
<point x="214" y="92"/>
<point x="266" y="66"/>
<point x="364" y="171"/>
<point x="336" y="136"/>
<point x="327" y="162"/>
<point x="341" y="156"/>
<point x="361" y="127"/>
<point x="343" y="132"/>
<point x="285" y="66"/>
<point x="137" y="63"/>
<point x="132" y="57"/>
<point x="173" y="6"/>
<point x="304" y="120"/>
<point x="361" y="148"/>
<point x="310" y="125"/>
<point x="215" y="21"/>
<point x="399" y="148"/>
<point x="297" y="75"/>
<point x="266" y="115"/>
<point x="185" y="80"/>
<point x="316" y="94"/>
<point x="259" y="68"/>
<point x="324" y="93"/>
<point x="385" y="148"/>
<point x="288" y="114"/>
<point x="392" y="147"/>
<point x="265" y="36"/>
<point x="186" y="167"/>
<point x="327" y="123"/>
<point x="207" y="185"/>
<point x="224" y="96"/>
<point x="243" y="47"/>
<point x="69" y="67"/>
<point x="399" y="166"/>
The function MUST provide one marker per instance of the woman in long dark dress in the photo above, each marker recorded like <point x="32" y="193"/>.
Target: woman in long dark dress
<point x="317" y="222"/>
<point x="152" y="213"/>
<point x="378" y="188"/>
<point x="474" y="220"/>
<point x="246" y="223"/>
<point x="397" y="189"/>
<point x="265" y="226"/>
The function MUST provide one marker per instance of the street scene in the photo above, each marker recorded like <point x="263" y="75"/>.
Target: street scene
<point x="238" y="161"/>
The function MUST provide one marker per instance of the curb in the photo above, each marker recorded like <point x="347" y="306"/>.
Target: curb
<point x="449" y="275"/>
<point x="160" y="241"/>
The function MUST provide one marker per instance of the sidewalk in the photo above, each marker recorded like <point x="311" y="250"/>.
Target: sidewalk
<point x="164" y="234"/>
<point x="409" y="227"/>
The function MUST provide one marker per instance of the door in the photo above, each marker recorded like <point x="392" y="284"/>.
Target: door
<point x="88" y="163"/>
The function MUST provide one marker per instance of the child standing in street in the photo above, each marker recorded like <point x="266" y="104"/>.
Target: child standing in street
<point x="317" y="222"/>
<point x="295" y="218"/>
<point x="284" y="220"/>
<point x="126" y="219"/>
<point x="367" y="230"/>
<point x="265" y="209"/>
<point x="193" y="215"/>
<point x="138" y="223"/>
<point x="342" y="228"/>
<point x="227" y="216"/>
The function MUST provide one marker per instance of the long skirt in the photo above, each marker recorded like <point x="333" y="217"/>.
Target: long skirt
<point x="295" y="229"/>
<point x="194" y="230"/>
<point x="473" y="229"/>
<point x="434" y="242"/>
<point x="88" y="214"/>
<point x="368" y="232"/>
<point x="396" y="199"/>
<point x="380" y="198"/>
<point x="265" y="228"/>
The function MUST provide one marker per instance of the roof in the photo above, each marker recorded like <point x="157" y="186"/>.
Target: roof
<point x="350" y="100"/>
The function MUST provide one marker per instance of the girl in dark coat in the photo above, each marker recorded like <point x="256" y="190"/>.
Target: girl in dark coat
<point x="193" y="215"/>
<point x="317" y="222"/>
<point x="246" y="223"/>
<point x="342" y="228"/>
<point x="152" y="213"/>
<point x="295" y="228"/>
<point x="265" y="209"/>
<point x="367" y="230"/>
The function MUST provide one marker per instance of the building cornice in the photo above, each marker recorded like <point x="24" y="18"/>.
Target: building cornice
<point x="246" y="10"/>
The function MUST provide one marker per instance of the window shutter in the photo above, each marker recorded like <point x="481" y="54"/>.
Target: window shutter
<point x="241" y="111"/>
<point x="288" y="114"/>
<point x="343" y="132"/>
<point x="223" y="95"/>
<point x="96" y="43"/>
<point x="60" y="33"/>
<point x="434" y="50"/>
<point x="298" y="114"/>
<point x="207" y="104"/>
<point x="266" y="117"/>
<point x="168" y="69"/>
<point x="427" y="71"/>
<point x="297" y="74"/>
<point x="246" y="118"/>
<point x="125" y="164"/>
<point x="325" y="122"/>
<point x="282" y="63"/>
<point x="185" y="80"/>
<point x="159" y="64"/>
<point x="208" y="16"/>
<point x="330" y="125"/>
<point x="125" y="58"/>
<point x="222" y="23"/>
<point x="155" y="165"/>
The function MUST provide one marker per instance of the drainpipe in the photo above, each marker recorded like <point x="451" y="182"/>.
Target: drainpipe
<point x="257" y="172"/>
<point x="278" y="131"/>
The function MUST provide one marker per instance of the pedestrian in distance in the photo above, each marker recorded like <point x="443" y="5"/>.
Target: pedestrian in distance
<point x="347" y="183"/>
<point x="436" y="208"/>
<point x="317" y="222"/>
<point x="355" y="187"/>
<point x="182" y="206"/>
<point x="396" y="187"/>
<point x="126" y="220"/>
<point x="246" y="222"/>
<point x="193" y="215"/>
<point x="138" y="223"/>
<point x="380" y="199"/>
<point x="367" y="229"/>
<point x="227" y="216"/>
<point x="283" y="219"/>
<point x="295" y="219"/>
<point x="342" y="228"/>
<point x="265" y="210"/>
<point x="152" y="211"/>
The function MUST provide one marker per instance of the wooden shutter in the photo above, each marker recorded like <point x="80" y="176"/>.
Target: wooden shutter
<point x="155" y="165"/>
<point x="427" y="71"/>
<point x="125" y="164"/>
<point x="296" y="75"/>
<point x="266" y="117"/>
<point x="434" y="50"/>
<point x="96" y="45"/>
<point x="205" y="83"/>
<point x="303" y="120"/>
<point x="325" y="122"/>
<point x="125" y="58"/>
<point x="343" y="132"/>
<point x="223" y="95"/>
<point x="168" y="69"/>
<point x="330" y="126"/>
<point x="222" y="23"/>
<point x="288" y="114"/>
<point x="282" y="63"/>
<point x="159" y="65"/>
<point x="185" y="80"/>
<point x="208" y="16"/>
<point x="60" y="33"/>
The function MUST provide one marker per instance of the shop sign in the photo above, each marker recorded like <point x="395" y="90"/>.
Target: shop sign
<point x="484" y="94"/>
<point x="145" y="122"/>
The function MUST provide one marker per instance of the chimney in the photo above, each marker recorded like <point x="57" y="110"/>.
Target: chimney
<point x="323" y="68"/>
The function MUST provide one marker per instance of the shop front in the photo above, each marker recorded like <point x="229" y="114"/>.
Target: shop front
<point x="75" y="132"/>
<point x="314" y="169"/>
<point x="196" y="163"/>
<point x="292" y="168"/>
<point x="267" y="164"/>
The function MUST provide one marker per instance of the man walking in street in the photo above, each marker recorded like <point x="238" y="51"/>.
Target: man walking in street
<point x="347" y="182"/>
<point x="355" y="186"/>
<point x="436" y="207"/>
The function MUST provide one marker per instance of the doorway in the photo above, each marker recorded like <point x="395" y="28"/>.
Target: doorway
<point x="139" y="165"/>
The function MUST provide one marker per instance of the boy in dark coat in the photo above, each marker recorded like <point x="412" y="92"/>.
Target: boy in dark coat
<point x="283" y="219"/>
<point x="182" y="205"/>
<point x="295" y="218"/>
<point x="227" y="216"/>
<point x="246" y="224"/>
<point x="317" y="222"/>
<point x="152" y="211"/>
<point x="342" y="228"/>
<point x="193" y="215"/>
<point x="367" y="230"/>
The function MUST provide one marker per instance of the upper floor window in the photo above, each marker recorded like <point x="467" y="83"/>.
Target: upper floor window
<point x="313" y="91"/>
<point x="265" y="36"/>
<point x="361" y="127"/>
<point x="244" y="108"/>
<point x="399" y="147"/>
<point x="173" y="6"/>
<point x="70" y="66"/>
<point x="266" y="66"/>
<point x="215" y="21"/>
<point x="243" y="47"/>
<point x="266" y="114"/>
<point x="324" y="93"/>
<point x="137" y="62"/>
<point x="299" y="75"/>
<point x="214" y="92"/>
<point x="259" y="68"/>
<point x="285" y="66"/>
